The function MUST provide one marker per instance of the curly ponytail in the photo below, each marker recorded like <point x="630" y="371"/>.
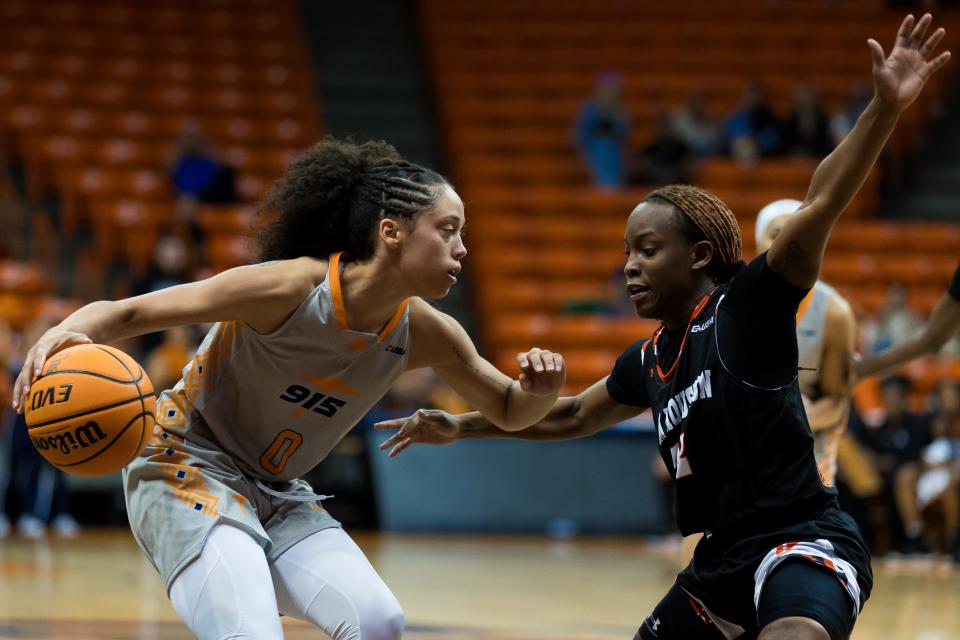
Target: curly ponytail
<point x="332" y="197"/>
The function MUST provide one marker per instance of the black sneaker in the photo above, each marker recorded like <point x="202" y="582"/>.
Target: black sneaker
<point x="914" y="546"/>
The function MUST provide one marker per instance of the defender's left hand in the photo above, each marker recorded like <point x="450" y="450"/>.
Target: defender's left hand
<point x="899" y="77"/>
<point x="542" y="373"/>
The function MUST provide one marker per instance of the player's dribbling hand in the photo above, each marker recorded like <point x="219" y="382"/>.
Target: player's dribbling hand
<point x="542" y="373"/>
<point x="54" y="340"/>
<point x="899" y="77"/>
<point x="426" y="426"/>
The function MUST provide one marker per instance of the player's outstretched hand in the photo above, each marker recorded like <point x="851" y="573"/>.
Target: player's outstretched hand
<point x="542" y="372"/>
<point x="426" y="426"/>
<point x="899" y="77"/>
<point x="52" y="341"/>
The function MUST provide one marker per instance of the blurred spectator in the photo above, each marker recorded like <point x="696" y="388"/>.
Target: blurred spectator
<point x="695" y="127"/>
<point x="36" y="493"/>
<point x="938" y="487"/>
<point x="6" y="387"/>
<point x="807" y="129"/>
<point x="894" y="322"/>
<point x="666" y="160"/>
<point x="753" y="131"/>
<point x="198" y="175"/>
<point x="843" y="121"/>
<point x="602" y="131"/>
<point x="896" y="444"/>
<point x="197" y="172"/>
<point x="170" y="266"/>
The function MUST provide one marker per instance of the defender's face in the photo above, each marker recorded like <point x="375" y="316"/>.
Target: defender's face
<point x="659" y="276"/>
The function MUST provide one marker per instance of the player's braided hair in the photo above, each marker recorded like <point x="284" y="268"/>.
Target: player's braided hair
<point x="705" y="217"/>
<point x="332" y="197"/>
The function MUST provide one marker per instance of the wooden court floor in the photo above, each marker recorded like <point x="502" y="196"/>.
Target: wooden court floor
<point x="451" y="587"/>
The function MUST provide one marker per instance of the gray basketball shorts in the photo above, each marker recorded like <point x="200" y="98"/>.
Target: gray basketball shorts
<point x="177" y="491"/>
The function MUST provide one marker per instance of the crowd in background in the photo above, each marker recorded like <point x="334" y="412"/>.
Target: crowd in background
<point x="752" y="131"/>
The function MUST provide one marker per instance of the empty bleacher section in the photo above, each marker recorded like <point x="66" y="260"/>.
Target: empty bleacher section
<point x="94" y="95"/>
<point x="510" y="79"/>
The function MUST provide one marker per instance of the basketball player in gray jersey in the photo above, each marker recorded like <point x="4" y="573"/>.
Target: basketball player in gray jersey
<point x="826" y="339"/>
<point x="303" y="346"/>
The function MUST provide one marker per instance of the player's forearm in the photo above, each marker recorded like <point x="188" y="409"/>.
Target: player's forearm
<point x="840" y="175"/>
<point x="522" y="409"/>
<point x="910" y="349"/>
<point x="559" y="423"/>
<point x="102" y="321"/>
<point x="798" y="254"/>
<point x="827" y="413"/>
<point x="944" y="322"/>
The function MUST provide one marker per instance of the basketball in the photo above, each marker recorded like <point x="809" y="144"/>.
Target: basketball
<point x="91" y="410"/>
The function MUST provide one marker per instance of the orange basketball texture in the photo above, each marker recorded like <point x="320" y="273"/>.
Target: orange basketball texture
<point x="91" y="411"/>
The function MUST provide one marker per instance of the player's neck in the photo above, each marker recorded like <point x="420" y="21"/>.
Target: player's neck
<point x="679" y="320"/>
<point x="371" y="295"/>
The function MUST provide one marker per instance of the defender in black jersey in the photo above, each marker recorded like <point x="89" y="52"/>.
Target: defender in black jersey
<point x="778" y="559"/>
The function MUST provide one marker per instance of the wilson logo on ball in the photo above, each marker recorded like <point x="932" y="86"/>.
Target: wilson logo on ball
<point x="79" y="437"/>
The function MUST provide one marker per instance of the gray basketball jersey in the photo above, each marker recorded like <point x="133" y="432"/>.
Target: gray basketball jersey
<point x="811" y="332"/>
<point x="811" y="329"/>
<point x="278" y="403"/>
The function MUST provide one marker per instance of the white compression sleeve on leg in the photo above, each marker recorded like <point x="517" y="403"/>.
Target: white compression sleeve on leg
<point x="227" y="592"/>
<point x="327" y="580"/>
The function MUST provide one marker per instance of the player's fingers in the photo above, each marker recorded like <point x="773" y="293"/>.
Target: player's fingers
<point x="525" y="383"/>
<point x="934" y="65"/>
<point x="39" y="357"/>
<point x="400" y="447"/>
<point x="17" y="391"/>
<point x="523" y="361"/>
<point x="536" y="362"/>
<point x="931" y="44"/>
<point x="920" y="30"/>
<point x="396" y="423"/>
<point x="558" y="362"/>
<point x="547" y="358"/>
<point x="903" y="34"/>
<point x="395" y="438"/>
<point x="879" y="57"/>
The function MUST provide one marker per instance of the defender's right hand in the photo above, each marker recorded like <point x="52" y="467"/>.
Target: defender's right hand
<point x="52" y="341"/>
<point x="426" y="426"/>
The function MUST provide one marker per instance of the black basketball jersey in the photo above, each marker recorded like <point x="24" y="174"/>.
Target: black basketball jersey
<point x="738" y="444"/>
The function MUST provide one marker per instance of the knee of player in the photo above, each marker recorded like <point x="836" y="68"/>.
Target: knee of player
<point x="381" y="622"/>
<point x="794" y="628"/>
<point x="386" y="623"/>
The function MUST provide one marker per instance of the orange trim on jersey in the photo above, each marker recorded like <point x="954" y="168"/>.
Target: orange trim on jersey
<point x="804" y="305"/>
<point x="656" y="338"/>
<point x="331" y="385"/>
<point x="339" y="310"/>
<point x="394" y="321"/>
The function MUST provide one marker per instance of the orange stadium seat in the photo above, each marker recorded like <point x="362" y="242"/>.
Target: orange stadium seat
<point x="543" y="237"/>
